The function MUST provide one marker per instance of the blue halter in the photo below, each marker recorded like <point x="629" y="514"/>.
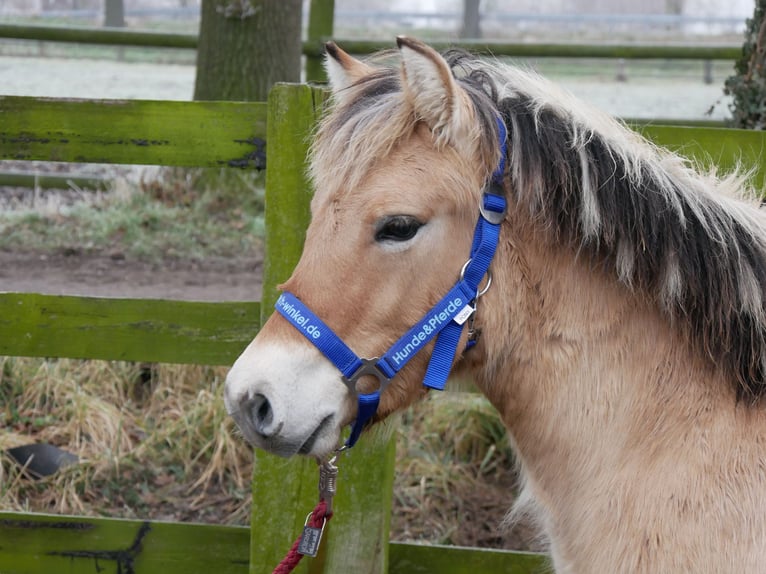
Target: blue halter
<point x="444" y="321"/>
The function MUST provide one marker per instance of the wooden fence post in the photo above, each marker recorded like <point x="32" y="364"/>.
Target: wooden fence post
<point x="285" y="491"/>
<point x="320" y="26"/>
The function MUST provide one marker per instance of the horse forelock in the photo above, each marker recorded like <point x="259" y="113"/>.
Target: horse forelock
<point x="358" y="132"/>
<point x="681" y="236"/>
<point x="371" y="118"/>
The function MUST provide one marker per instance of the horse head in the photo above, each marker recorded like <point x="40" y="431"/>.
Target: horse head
<point x="398" y="167"/>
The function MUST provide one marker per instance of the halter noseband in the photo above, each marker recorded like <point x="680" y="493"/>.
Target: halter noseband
<point x="444" y="321"/>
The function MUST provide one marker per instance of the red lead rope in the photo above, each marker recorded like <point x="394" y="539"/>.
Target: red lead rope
<point x="318" y="519"/>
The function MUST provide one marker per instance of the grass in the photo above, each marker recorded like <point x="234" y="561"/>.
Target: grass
<point x="154" y="442"/>
<point x="163" y="448"/>
<point x="455" y="475"/>
<point x="191" y="214"/>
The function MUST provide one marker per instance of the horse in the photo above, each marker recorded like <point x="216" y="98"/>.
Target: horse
<point x="622" y="338"/>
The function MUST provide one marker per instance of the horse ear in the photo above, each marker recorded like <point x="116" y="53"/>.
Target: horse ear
<point x="343" y="70"/>
<point x="433" y="92"/>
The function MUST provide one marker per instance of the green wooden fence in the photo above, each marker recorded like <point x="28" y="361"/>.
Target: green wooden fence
<point x="202" y="134"/>
<point x="39" y="544"/>
<point x="215" y="134"/>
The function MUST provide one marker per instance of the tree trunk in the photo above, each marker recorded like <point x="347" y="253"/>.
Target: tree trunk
<point x="245" y="46"/>
<point x="114" y="13"/>
<point x="471" y="20"/>
<point x="674" y="7"/>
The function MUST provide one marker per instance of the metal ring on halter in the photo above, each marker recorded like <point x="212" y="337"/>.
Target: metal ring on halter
<point x="480" y="292"/>
<point x="369" y="367"/>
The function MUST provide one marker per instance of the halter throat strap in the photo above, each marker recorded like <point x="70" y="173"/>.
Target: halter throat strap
<point x="443" y="322"/>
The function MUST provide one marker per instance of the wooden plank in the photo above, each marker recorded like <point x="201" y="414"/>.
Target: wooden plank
<point x="556" y="50"/>
<point x="313" y="46"/>
<point x="421" y="559"/>
<point x="724" y="148"/>
<point x="125" y="329"/>
<point x="293" y="112"/>
<point x="284" y="491"/>
<point x="42" y="544"/>
<point x="146" y="132"/>
<point x="358" y="536"/>
<point x="104" y="36"/>
<point x="355" y="540"/>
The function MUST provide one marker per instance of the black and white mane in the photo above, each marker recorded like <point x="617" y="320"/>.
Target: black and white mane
<point x="680" y="236"/>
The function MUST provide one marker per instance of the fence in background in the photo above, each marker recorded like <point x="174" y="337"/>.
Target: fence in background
<point x="221" y="134"/>
<point x="319" y="28"/>
<point x="226" y="134"/>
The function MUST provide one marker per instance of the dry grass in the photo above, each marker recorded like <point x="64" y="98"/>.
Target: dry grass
<point x="154" y="442"/>
<point x="161" y="449"/>
<point x="192" y="214"/>
<point x="456" y="476"/>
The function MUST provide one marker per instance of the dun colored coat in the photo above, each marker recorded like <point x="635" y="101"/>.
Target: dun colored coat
<point x="623" y="338"/>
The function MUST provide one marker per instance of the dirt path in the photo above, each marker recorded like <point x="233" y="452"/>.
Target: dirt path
<point x="73" y="273"/>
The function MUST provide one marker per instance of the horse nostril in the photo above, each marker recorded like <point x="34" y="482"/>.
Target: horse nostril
<point x="262" y="414"/>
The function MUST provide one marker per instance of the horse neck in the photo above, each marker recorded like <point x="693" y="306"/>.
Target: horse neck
<point x="617" y="420"/>
<point x="580" y="365"/>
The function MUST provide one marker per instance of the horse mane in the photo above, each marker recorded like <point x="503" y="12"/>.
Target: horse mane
<point x="679" y="235"/>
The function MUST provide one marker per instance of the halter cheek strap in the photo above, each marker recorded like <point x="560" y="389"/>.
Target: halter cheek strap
<point x="444" y="321"/>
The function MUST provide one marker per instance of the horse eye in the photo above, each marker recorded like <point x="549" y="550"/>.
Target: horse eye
<point x="397" y="228"/>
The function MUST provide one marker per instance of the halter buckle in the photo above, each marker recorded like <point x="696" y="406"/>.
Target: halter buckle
<point x="492" y="215"/>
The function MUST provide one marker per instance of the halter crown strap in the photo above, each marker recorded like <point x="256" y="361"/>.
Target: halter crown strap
<point x="444" y="321"/>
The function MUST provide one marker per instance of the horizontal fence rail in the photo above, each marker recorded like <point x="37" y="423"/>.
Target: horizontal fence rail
<point x="524" y="50"/>
<point x="36" y="325"/>
<point x="726" y="150"/>
<point x="102" y="36"/>
<point x="315" y="48"/>
<point x="36" y="544"/>
<point x="31" y="544"/>
<point x="144" y="132"/>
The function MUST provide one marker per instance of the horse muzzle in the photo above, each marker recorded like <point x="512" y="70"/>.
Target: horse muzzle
<point x="287" y="400"/>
